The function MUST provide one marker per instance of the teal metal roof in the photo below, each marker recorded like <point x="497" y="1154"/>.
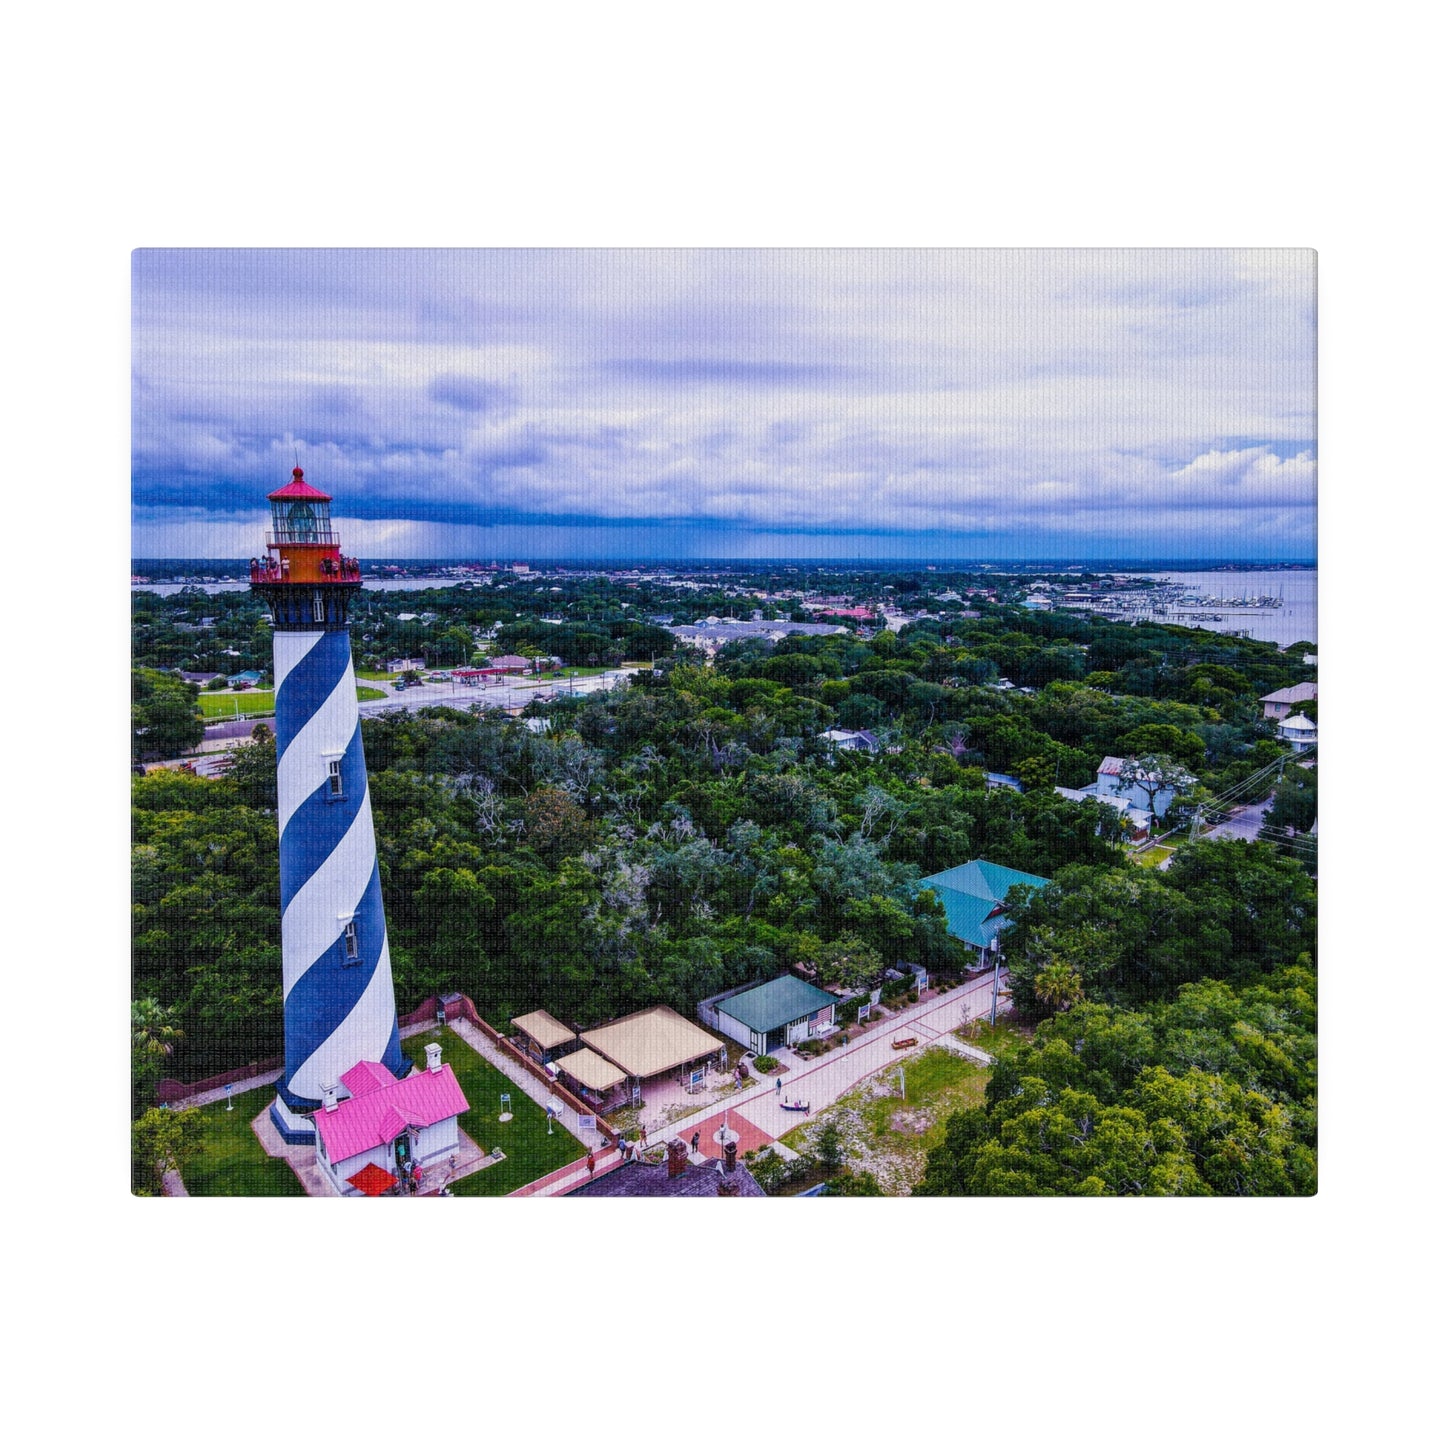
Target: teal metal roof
<point x="967" y="916"/>
<point x="771" y="1005"/>
<point x="970" y="894"/>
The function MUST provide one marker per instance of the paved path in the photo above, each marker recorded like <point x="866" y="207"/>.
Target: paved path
<point x="508" y="694"/>
<point x="828" y="1079"/>
<point x="1244" y="824"/>
<point x="528" y="1083"/>
<point x="210" y="1096"/>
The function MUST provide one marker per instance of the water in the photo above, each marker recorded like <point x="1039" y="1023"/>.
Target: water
<point x="1295" y="621"/>
<point x="370" y="584"/>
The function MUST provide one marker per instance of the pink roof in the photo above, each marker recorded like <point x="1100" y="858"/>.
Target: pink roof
<point x="379" y="1114"/>
<point x="297" y="490"/>
<point x="365" y="1077"/>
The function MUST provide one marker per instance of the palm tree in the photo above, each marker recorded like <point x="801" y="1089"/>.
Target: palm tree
<point x="153" y="1032"/>
<point x="1058" y="987"/>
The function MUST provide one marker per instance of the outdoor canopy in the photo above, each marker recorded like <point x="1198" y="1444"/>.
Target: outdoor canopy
<point x="591" y="1069"/>
<point x="548" y="1032"/>
<point x="650" y="1042"/>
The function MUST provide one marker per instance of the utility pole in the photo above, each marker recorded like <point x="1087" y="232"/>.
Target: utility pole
<point x="993" y="1005"/>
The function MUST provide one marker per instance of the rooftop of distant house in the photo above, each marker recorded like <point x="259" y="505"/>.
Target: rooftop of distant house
<point x="651" y="1181"/>
<point x="1300" y="692"/>
<point x="1112" y="767"/>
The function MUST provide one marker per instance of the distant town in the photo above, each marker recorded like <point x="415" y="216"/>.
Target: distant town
<point x="713" y="880"/>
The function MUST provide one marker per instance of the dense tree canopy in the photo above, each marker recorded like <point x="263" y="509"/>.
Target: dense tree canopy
<point x="693" y="830"/>
<point x="1212" y="1093"/>
<point x="164" y="718"/>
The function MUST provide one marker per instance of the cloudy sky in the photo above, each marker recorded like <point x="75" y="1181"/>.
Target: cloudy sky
<point x="691" y="404"/>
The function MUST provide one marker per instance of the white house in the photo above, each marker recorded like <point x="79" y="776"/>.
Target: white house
<point x="1109" y="784"/>
<point x="372" y="1124"/>
<point x="1299" y="732"/>
<point x="1279" y="704"/>
<point x="850" y="741"/>
<point x="1137" y="818"/>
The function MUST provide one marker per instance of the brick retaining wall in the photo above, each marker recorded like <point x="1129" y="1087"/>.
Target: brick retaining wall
<point x="176" y="1091"/>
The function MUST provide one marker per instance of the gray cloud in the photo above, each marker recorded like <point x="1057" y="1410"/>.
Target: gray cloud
<point x="1047" y="400"/>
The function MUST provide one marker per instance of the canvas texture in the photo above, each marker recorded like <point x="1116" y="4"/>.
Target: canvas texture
<point x="724" y="723"/>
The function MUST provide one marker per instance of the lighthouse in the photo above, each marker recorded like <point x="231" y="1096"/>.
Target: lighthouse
<point x="340" y="1008"/>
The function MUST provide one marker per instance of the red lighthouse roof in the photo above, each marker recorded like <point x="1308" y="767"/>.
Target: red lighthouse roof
<point x="298" y="489"/>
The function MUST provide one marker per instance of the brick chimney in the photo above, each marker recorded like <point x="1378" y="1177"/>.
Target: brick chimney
<point x="676" y="1157"/>
<point x="730" y="1155"/>
<point x="433" y="1058"/>
<point x="328" y="1097"/>
<point x="728" y="1188"/>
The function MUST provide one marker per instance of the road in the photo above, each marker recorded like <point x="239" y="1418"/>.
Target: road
<point x="516" y="693"/>
<point x="826" y="1081"/>
<point x="1245" y="823"/>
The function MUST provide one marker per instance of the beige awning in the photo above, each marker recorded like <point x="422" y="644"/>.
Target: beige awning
<point x="549" y="1033"/>
<point x="650" y="1042"/>
<point x="591" y="1070"/>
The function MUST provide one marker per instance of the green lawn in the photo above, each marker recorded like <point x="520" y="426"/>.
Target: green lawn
<point x="888" y="1135"/>
<point x="234" y="1163"/>
<point x="1152" y="857"/>
<point x="254" y="702"/>
<point x="993" y="1038"/>
<point x="259" y="702"/>
<point x="367" y="676"/>
<point x="530" y="1151"/>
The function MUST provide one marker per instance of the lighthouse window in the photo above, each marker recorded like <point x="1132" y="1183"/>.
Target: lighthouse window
<point x="333" y="773"/>
<point x="353" y="946"/>
<point x="318" y="608"/>
<point x="303" y="519"/>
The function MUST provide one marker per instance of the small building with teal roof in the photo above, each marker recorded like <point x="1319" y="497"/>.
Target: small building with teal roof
<point x="785" y="1010"/>
<point x="972" y="896"/>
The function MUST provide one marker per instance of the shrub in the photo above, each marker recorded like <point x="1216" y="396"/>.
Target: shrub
<point x="830" y="1148"/>
<point x="765" y="1064"/>
<point x="774" y="1173"/>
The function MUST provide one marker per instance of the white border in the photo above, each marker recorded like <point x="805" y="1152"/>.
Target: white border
<point x="792" y="124"/>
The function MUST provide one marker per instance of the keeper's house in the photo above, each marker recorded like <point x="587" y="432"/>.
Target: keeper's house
<point x="387" y="1126"/>
<point x="783" y="1011"/>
